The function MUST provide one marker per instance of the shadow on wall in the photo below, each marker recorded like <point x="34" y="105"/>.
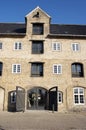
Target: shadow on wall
<point x="12" y="101"/>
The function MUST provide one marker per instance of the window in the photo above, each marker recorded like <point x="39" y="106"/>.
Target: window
<point x="16" y="68"/>
<point x="37" y="47"/>
<point x="78" y="95"/>
<point x="1" y="68"/>
<point x="17" y="46"/>
<point x="38" y="28"/>
<point x="56" y="46"/>
<point x="0" y="45"/>
<point x="57" y="69"/>
<point x="37" y="69"/>
<point x="75" y="47"/>
<point x="13" y="97"/>
<point x="60" y="97"/>
<point x="77" y="70"/>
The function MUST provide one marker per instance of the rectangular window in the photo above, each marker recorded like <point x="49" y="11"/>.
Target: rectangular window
<point x="57" y="69"/>
<point x="16" y="68"/>
<point x="60" y="97"/>
<point x="13" y="97"/>
<point x="56" y="46"/>
<point x="37" y="69"/>
<point x="17" y="46"/>
<point x="0" y="45"/>
<point x="77" y="70"/>
<point x="38" y="28"/>
<point x="75" y="46"/>
<point x="37" y="47"/>
<point x="78" y="96"/>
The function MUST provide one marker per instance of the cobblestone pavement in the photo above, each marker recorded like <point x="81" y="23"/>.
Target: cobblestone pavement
<point x="42" y="120"/>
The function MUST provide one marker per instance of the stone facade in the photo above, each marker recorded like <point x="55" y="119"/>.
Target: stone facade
<point x="65" y="57"/>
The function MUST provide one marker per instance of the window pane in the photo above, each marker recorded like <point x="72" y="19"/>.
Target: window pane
<point x="79" y="95"/>
<point x="37" y="69"/>
<point x="18" y="68"/>
<point x="81" y="91"/>
<point x="55" y="69"/>
<point x="76" y="91"/>
<point x="77" y="47"/>
<point x="15" y="45"/>
<point x="20" y="46"/>
<point x="59" y="69"/>
<point x="14" y="68"/>
<point x="37" y="47"/>
<point x="58" y="46"/>
<point x="54" y="46"/>
<point x="38" y="28"/>
<point x="81" y="99"/>
<point x="59" y="97"/>
<point x="13" y="97"/>
<point x="77" y="70"/>
<point x="76" y="99"/>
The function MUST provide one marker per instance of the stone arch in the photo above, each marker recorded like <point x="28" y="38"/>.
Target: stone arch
<point x="36" y="98"/>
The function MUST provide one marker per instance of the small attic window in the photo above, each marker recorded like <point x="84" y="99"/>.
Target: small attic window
<point x="38" y="29"/>
<point x="36" y="15"/>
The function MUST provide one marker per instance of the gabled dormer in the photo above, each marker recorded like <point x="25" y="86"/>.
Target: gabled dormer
<point x="37" y="22"/>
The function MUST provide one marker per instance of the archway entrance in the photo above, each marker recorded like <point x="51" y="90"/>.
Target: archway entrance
<point x="1" y="99"/>
<point x="37" y="98"/>
<point x="42" y="99"/>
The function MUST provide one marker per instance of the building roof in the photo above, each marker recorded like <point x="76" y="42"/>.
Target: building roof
<point x="55" y="29"/>
<point x="12" y="29"/>
<point x="64" y="29"/>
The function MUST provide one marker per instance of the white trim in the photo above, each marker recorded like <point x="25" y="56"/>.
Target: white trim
<point x="37" y="8"/>
<point x="16" y="69"/>
<point x="78" y="96"/>
<point x="18" y="46"/>
<point x="58" y="46"/>
<point x="76" y="47"/>
<point x="57" y="68"/>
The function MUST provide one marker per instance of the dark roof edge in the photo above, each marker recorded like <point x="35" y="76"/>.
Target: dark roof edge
<point x="15" y="34"/>
<point x="66" y="35"/>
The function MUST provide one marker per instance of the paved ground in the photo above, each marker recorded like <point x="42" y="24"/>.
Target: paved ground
<point x="42" y="120"/>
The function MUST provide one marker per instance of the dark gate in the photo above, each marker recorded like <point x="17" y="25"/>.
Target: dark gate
<point x="53" y="99"/>
<point x="20" y="99"/>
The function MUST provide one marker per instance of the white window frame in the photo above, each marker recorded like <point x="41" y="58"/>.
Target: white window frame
<point x="1" y="45"/>
<point x="13" y="94"/>
<point x="16" y="68"/>
<point x="60" y="99"/>
<point x="75" y="47"/>
<point x="17" y="46"/>
<point x="78" y="94"/>
<point x="57" y="69"/>
<point x="56" y="46"/>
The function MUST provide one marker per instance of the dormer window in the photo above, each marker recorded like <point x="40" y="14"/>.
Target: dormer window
<point x="38" y="29"/>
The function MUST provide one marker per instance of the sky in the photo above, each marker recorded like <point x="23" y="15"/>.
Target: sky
<point x="61" y="11"/>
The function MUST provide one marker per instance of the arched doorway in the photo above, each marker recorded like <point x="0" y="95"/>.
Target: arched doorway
<point x="37" y="98"/>
<point x="1" y="99"/>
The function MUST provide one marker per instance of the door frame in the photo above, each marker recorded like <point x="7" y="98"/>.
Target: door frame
<point x="53" y="104"/>
<point x="20" y="99"/>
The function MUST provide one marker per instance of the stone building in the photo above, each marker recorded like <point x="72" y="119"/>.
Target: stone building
<point x="42" y="65"/>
